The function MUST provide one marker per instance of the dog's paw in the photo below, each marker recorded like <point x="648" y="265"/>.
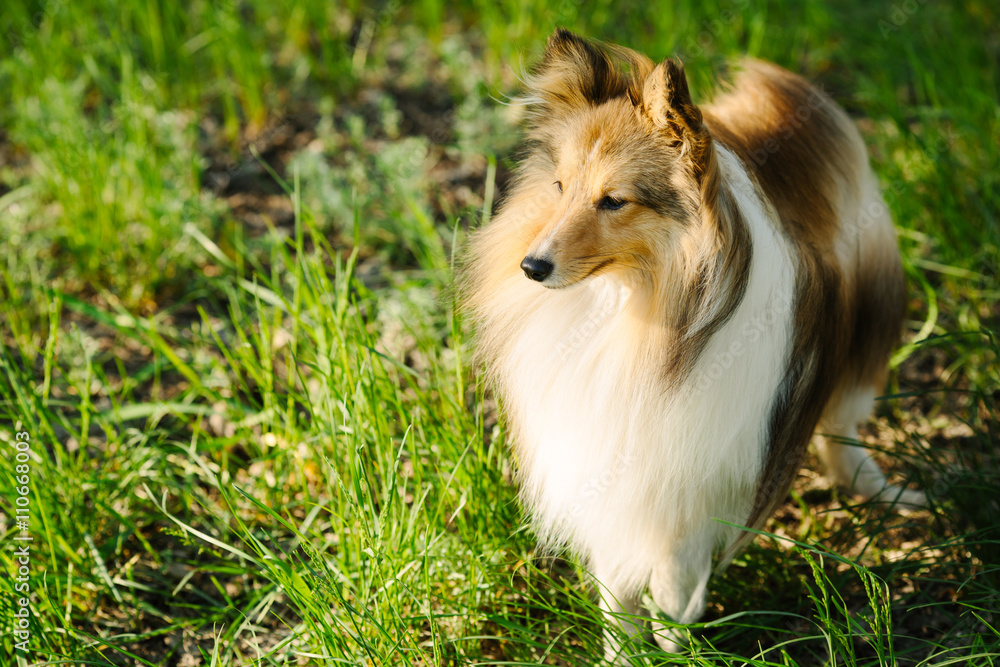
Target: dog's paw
<point x="617" y="652"/>
<point x="897" y="498"/>
<point x="617" y="655"/>
<point x="670" y="639"/>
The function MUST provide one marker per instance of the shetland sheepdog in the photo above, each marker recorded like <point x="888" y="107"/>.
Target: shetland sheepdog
<point x="671" y="300"/>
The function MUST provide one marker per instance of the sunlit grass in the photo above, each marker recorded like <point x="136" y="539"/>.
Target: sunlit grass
<point x="256" y="434"/>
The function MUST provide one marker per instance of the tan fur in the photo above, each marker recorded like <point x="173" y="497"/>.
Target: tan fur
<point x="670" y="230"/>
<point x="706" y="284"/>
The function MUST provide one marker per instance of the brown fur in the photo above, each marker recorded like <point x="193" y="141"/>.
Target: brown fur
<point x="803" y="150"/>
<point x="687" y="255"/>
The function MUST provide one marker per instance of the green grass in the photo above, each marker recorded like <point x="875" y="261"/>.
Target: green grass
<point x="226" y="233"/>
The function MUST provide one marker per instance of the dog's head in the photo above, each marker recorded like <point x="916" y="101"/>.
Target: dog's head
<point x="618" y="152"/>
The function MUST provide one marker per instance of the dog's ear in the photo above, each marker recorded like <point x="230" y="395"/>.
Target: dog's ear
<point x="667" y="102"/>
<point x="575" y="72"/>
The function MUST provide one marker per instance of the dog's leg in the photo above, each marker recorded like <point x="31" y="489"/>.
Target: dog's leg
<point x="678" y="588"/>
<point x="623" y="614"/>
<point x="850" y="465"/>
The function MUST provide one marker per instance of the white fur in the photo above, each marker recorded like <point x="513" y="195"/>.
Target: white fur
<point x="849" y="464"/>
<point x="625" y="472"/>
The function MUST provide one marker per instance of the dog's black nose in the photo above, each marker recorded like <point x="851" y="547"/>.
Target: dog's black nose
<point x="536" y="269"/>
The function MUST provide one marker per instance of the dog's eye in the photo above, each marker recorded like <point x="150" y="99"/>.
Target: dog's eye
<point x="558" y="185"/>
<point x="611" y="203"/>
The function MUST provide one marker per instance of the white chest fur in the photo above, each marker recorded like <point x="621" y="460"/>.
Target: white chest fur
<point x="612" y="459"/>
